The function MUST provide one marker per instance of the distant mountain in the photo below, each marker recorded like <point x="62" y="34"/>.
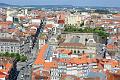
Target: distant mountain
<point x="37" y="6"/>
<point x="49" y="6"/>
<point x="56" y="6"/>
<point x="4" y="5"/>
<point x="7" y="5"/>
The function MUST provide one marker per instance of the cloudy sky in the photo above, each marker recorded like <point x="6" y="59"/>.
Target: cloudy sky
<point x="104" y="3"/>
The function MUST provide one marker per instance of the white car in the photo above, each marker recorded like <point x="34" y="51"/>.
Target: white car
<point x="22" y="76"/>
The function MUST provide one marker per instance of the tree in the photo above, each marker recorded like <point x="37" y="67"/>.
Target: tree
<point x="99" y="30"/>
<point x="6" y="54"/>
<point x="17" y="56"/>
<point x="1" y="54"/>
<point x="12" y="55"/>
<point x="80" y="30"/>
<point x="23" y="58"/>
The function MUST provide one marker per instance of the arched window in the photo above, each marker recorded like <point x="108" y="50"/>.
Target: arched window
<point x="74" y="51"/>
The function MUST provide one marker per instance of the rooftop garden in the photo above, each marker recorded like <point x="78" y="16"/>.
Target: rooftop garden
<point x="17" y="56"/>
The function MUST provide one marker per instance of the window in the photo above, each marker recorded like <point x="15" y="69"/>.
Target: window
<point x="11" y="50"/>
<point x="8" y="50"/>
<point x="11" y="47"/>
<point x="7" y="47"/>
<point x="5" y="50"/>
<point x="1" y="49"/>
<point x="17" y="51"/>
<point x="2" y="34"/>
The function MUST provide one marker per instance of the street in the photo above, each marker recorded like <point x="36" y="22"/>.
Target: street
<point x="26" y="67"/>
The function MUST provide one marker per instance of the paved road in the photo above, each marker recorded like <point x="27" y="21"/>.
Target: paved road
<point x="102" y="51"/>
<point x="26" y="68"/>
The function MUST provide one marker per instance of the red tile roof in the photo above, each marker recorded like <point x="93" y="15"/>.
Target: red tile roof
<point x="64" y="51"/>
<point x="118" y="15"/>
<point x="40" y="59"/>
<point x="7" y="22"/>
<point x="49" y="65"/>
<point x="111" y="46"/>
<point x="61" y="22"/>
<point x="78" y="45"/>
<point x="5" y="62"/>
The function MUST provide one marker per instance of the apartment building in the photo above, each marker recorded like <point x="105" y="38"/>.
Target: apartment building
<point x="11" y="43"/>
<point x="43" y="63"/>
<point x="73" y="19"/>
<point x="14" y="46"/>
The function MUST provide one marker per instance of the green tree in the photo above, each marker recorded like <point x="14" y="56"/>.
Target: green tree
<point x="7" y="54"/>
<point x="99" y="30"/>
<point x="1" y="54"/>
<point x="12" y="55"/>
<point x="17" y="56"/>
<point x="23" y="58"/>
<point x="80" y="30"/>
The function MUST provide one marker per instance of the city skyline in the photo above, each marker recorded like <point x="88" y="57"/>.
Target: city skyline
<point x="59" y="40"/>
<point x="101" y="3"/>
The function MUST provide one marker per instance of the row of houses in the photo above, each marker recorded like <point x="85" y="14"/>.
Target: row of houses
<point x="7" y="68"/>
<point x="63" y="61"/>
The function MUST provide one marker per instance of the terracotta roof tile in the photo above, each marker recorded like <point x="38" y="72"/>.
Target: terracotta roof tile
<point x="5" y="62"/>
<point x="111" y="46"/>
<point x="61" y="22"/>
<point x="7" y="23"/>
<point x="2" y="76"/>
<point x="49" y="65"/>
<point x="40" y="59"/>
<point x="117" y="15"/>
<point x="80" y="45"/>
<point x="64" y="51"/>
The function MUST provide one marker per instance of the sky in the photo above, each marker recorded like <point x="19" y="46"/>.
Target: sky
<point x="102" y="3"/>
